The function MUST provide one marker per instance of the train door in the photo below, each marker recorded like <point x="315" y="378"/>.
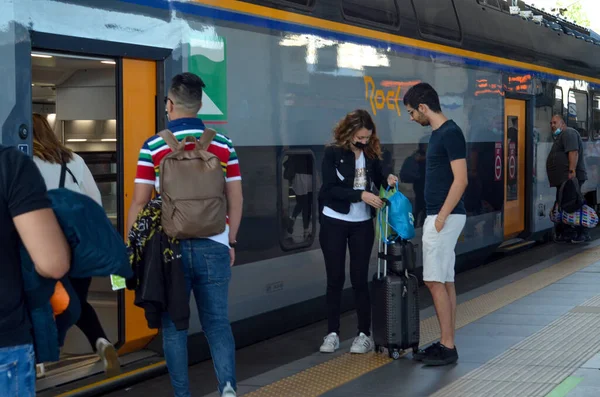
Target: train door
<point x="514" y="167"/>
<point x="103" y="109"/>
<point x="139" y="88"/>
<point x="15" y="109"/>
<point x="76" y="98"/>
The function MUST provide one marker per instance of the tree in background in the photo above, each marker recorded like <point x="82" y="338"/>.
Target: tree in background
<point x="573" y="12"/>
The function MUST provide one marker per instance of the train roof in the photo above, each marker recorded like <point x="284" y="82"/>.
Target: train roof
<point x="528" y="35"/>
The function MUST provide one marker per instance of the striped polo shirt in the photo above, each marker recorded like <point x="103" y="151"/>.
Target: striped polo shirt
<point x="155" y="149"/>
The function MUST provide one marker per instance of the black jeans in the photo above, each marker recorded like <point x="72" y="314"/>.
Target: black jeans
<point x="88" y="322"/>
<point x="358" y="237"/>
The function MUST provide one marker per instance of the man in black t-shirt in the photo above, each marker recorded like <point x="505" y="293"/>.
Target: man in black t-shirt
<point x="445" y="184"/>
<point x="25" y="215"/>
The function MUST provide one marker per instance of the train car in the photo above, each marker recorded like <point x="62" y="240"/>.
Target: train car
<point x="279" y="74"/>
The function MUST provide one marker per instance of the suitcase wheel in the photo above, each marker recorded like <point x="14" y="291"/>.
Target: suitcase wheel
<point x="395" y="354"/>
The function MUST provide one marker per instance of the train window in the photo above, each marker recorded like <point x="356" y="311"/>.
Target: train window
<point x="558" y="101"/>
<point x="577" y="112"/>
<point x="489" y="3"/>
<point x="297" y="201"/>
<point x="596" y="116"/>
<point x="303" y="3"/>
<point x="438" y="18"/>
<point x="378" y="11"/>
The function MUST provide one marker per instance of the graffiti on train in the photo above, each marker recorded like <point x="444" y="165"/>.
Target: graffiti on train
<point x="386" y="95"/>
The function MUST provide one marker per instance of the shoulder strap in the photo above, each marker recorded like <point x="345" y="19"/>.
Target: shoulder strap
<point x="63" y="175"/>
<point x="72" y="176"/>
<point x="207" y="136"/>
<point x="170" y="139"/>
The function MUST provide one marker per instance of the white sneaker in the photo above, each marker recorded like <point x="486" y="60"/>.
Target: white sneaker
<point x="228" y="391"/>
<point x="330" y="343"/>
<point x="362" y="344"/>
<point x="40" y="370"/>
<point x="108" y="354"/>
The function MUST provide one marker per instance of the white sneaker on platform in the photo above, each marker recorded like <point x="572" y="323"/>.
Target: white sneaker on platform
<point x="330" y="343"/>
<point x="362" y="344"/>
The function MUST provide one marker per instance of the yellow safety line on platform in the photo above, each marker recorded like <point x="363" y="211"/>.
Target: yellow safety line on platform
<point x="329" y="375"/>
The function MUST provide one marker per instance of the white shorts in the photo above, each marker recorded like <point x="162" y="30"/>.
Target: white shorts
<point x="438" y="248"/>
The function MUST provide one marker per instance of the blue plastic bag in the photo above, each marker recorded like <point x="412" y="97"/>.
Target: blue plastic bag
<point x="400" y="216"/>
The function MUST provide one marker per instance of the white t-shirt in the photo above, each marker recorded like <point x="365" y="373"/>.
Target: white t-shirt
<point x="359" y="212"/>
<point x="85" y="181"/>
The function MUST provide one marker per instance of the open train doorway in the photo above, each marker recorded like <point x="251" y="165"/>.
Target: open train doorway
<point x="78" y="97"/>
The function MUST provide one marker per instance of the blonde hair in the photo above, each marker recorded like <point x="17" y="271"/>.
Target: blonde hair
<point x="46" y="145"/>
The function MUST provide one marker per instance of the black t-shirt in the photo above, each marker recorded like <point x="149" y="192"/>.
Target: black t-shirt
<point x="22" y="190"/>
<point x="557" y="163"/>
<point x="446" y="144"/>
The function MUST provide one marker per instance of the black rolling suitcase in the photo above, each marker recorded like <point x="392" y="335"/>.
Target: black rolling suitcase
<point x="395" y="301"/>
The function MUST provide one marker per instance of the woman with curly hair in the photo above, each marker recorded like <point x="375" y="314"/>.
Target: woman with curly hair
<point x="351" y="166"/>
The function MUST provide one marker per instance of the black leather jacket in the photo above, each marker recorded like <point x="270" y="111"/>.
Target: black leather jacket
<point x="337" y="194"/>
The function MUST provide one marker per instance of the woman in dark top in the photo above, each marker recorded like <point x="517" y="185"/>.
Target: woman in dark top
<point x="351" y="165"/>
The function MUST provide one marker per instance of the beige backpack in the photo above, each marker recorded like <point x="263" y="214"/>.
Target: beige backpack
<point x="192" y="187"/>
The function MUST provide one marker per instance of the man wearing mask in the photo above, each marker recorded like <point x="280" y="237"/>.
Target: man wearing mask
<point x="564" y="163"/>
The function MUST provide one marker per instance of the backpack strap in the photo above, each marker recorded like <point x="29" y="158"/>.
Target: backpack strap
<point x="63" y="174"/>
<point x="206" y="138"/>
<point x="169" y="139"/>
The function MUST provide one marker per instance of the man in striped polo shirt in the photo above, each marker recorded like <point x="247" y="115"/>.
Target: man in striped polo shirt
<point x="206" y="261"/>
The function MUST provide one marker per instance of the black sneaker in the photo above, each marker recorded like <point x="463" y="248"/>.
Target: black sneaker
<point x="441" y="356"/>
<point x="579" y="238"/>
<point x="422" y="353"/>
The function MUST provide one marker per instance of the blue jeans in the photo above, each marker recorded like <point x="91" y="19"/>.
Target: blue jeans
<point x="207" y="273"/>
<point x="17" y="371"/>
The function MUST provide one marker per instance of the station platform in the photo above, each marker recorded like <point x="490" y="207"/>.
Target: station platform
<point x="527" y="325"/>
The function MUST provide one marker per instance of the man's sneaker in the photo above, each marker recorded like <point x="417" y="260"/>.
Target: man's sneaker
<point x="441" y="356"/>
<point x="228" y="391"/>
<point x="362" y="344"/>
<point x="108" y="354"/>
<point x="579" y="238"/>
<point x="330" y="343"/>
<point x="422" y="353"/>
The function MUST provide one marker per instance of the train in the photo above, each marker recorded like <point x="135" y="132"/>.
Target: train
<point x="279" y="74"/>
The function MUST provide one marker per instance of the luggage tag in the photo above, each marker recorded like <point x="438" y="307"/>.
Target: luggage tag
<point x="117" y="282"/>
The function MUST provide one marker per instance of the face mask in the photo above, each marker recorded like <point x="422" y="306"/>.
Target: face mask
<point x="360" y="145"/>
<point x="557" y="132"/>
<point x="167" y="115"/>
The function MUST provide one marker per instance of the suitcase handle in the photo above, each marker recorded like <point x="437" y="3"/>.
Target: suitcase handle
<point x="384" y="230"/>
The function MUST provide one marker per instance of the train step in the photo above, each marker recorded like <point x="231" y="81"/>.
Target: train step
<point x="514" y="245"/>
